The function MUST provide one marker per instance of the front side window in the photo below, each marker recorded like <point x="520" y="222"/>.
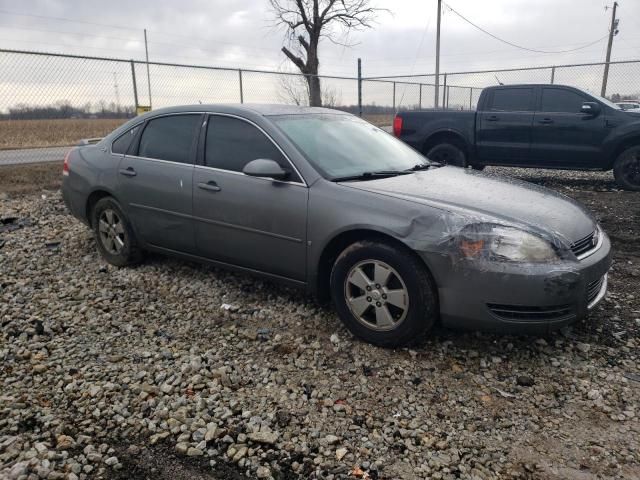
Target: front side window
<point x="561" y="100"/>
<point x="169" y="138"/>
<point x="512" y="100"/>
<point x="121" y="144"/>
<point x="231" y="143"/>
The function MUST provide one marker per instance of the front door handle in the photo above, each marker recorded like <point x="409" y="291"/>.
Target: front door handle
<point x="210" y="185"/>
<point x="128" y="172"/>
<point x="545" y="121"/>
<point x="492" y="118"/>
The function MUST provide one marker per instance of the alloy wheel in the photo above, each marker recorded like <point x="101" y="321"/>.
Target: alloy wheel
<point x="376" y="295"/>
<point x="111" y="231"/>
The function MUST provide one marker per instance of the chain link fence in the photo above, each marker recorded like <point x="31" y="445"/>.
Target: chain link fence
<point x="461" y="90"/>
<point x="50" y="101"/>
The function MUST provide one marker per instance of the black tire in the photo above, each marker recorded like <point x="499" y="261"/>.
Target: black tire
<point x="626" y="169"/>
<point x="122" y="251"/>
<point x="478" y="167"/>
<point x="409" y="325"/>
<point x="449" y="152"/>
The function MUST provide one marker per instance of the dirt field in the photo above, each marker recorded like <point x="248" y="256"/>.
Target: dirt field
<point x="16" y="134"/>
<point x="17" y="179"/>
<point x="379" y="120"/>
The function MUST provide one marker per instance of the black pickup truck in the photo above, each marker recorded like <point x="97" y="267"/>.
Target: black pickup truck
<point x="542" y="126"/>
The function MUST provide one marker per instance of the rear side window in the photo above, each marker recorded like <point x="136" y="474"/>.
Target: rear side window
<point x="231" y="143"/>
<point x="512" y="100"/>
<point x="169" y="138"/>
<point x="121" y="144"/>
<point x="561" y="100"/>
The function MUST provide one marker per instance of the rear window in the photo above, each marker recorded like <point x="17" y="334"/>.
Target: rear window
<point x="512" y="100"/>
<point x="121" y="144"/>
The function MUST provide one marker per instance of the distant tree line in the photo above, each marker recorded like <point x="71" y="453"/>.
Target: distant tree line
<point x="616" y="97"/>
<point x="64" y="109"/>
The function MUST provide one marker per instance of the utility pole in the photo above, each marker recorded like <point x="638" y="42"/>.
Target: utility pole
<point x="612" y="32"/>
<point x="146" y="49"/>
<point x="437" y="93"/>
<point x="359" y="87"/>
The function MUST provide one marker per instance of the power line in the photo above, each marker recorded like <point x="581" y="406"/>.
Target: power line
<point x="516" y="45"/>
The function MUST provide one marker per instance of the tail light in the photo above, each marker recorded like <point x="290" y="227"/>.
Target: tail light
<point x="397" y="125"/>
<point x="65" y="165"/>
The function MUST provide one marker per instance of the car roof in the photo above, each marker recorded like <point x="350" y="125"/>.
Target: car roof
<point x="245" y="108"/>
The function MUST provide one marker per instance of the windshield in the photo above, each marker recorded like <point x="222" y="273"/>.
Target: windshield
<point x="343" y="145"/>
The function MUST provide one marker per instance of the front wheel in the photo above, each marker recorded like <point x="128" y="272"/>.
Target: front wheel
<point x="626" y="169"/>
<point x="383" y="294"/>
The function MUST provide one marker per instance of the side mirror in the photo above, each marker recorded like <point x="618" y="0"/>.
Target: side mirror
<point x="590" y="108"/>
<point x="265" y="168"/>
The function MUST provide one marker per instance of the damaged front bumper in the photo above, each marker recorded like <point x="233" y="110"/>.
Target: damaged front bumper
<point x="519" y="298"/>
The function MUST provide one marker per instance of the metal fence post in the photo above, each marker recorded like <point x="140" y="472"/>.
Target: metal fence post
<point x="553" y="74"/>
<point x="135" y="85"/>
<point x="360" y="87"/>
<point x="444" y="91"/>
<point x="420" y="97"/>
<point x="241" y="91"/>
<point x="471" y="98"/>
<point x="394" y="97"/>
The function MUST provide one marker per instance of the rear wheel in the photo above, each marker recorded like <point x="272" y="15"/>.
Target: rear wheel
<point x="114" y="236"/>
<point x="626" y="169"/>
<point x="383" y="294"/>
<point x="449" y="152"/>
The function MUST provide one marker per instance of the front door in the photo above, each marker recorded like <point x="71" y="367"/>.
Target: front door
<point x="156" y="181"/>
<point x="255" y="223"/>
<point x="503" y="127"/>
<point x="562" y="135"/>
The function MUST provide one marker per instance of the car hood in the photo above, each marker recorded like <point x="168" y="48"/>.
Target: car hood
<point x="489" y="198"/>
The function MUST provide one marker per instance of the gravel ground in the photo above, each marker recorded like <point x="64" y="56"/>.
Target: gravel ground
<point x="173" y="370"/>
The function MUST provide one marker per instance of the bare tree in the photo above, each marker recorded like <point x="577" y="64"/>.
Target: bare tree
<point x="307" y="21"/>
<point x="293" y="89"/>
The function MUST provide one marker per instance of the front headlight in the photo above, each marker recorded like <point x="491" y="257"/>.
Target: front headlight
<point x="500" y="243"/>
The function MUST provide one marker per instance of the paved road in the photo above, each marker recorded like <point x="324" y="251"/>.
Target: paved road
<point x="33" y="155"/>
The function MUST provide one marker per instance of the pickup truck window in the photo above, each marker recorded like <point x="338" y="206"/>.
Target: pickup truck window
<point x="511" y="100"/>
<point x="561" y="100"/>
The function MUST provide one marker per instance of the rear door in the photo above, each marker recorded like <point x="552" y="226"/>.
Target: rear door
<point x="563" y="137"/>
<point x="255" y="223"/>
<point x="155" y="181"/>
<point x="503" y="134"/>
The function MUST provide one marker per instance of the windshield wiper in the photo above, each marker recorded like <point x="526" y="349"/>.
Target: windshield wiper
<point x="371" y="175"/>
<point x="423" y="166"/>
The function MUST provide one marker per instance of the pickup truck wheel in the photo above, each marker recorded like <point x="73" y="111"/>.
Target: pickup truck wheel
<point x="383" y="294"/>
<point x="449" y="153"/>
<point x="626" y="169"/>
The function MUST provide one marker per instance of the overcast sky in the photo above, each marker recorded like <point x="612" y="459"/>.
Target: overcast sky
<point x="241" y="33"/>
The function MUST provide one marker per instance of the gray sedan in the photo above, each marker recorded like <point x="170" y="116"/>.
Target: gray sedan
<point x="323" y="200"/>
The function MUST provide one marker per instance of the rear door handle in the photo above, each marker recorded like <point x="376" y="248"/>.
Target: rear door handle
<point x="545" y="121"/>
<point x="128" y="172"/>
<point x="210" y="185"/>
<point x="492" y="118"/>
